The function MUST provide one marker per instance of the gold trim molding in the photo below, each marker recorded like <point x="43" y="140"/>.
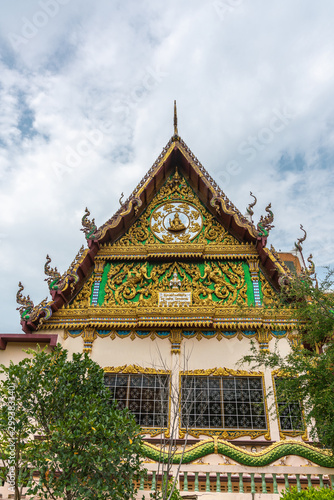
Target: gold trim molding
<point x="135" y="369"/>
<point x="228" y="317"/>
<point x="227" y="433"/>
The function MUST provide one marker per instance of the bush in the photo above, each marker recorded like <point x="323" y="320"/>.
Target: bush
<point x="311" y="494"/>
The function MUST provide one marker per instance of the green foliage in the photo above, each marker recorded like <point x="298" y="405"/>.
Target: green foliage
<point x="311" y="494"/>
<point x="87" y="448"/>
<point x="168" y="491"/>
<point x="309" y="367"/>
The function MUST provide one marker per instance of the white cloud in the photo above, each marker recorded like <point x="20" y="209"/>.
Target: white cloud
<point x="116" y="68"/>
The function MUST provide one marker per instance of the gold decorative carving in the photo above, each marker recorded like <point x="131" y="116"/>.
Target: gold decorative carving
<point x="224" y="434"/>
<point x="88" y="335"/>
<point x="216" y="316"/>
<point x="269" y="295"/>
<point x="222" y="372"/>
<point x="176" y="198"/>
<point x="176" y="221"/>
<point x="263" y="336"/>
<point x="134" y="369"/>
<point x="176" y="339"/>
<point x="198" y="250"/>
<point x="221" y="282"/>
<point x="82" y="300"/>
<point x="98" y="269"/>
<point x="253" y="269"/>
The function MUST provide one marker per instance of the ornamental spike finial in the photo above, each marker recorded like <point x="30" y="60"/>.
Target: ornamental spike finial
<point x="176" y="133"/>
<point x="175" y="119"/>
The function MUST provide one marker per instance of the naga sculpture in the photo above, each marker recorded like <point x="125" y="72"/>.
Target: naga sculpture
<point x="53" y="276"/>
<point x="298" y="245"/>
<point x="28" y="311"/>
<point x="89" y="227"/>
<point x="265" y="223"/>
<point x="249" y="209"/>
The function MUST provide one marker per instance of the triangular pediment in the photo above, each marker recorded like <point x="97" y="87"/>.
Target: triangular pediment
<point x="177" y="243"/>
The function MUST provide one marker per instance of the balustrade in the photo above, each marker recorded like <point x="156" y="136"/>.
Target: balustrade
<point x="196" y="479"/>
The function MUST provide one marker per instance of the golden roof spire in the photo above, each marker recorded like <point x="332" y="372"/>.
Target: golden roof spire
<point x="176" y="134"/>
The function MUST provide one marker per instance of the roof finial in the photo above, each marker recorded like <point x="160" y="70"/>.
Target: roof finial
<point x="176" y="134"/>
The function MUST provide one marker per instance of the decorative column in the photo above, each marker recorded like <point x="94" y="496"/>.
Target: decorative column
<point x="88" y="335"/>
<point x="254" y="272"/>
<point x="99" y="266"/>
<point x="176" y="339"/>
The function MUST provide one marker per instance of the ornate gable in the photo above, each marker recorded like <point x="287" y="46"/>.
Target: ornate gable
<point x="177" y="253"/>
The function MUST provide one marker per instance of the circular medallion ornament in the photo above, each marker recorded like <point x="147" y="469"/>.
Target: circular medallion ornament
<point x="176" y="222"/>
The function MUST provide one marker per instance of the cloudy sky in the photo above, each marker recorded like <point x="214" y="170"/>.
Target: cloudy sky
<point x="86" y="95"/>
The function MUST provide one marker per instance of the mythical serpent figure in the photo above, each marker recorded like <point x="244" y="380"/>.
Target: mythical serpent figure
<point x="27" y="304"/>
<point x="265" y="223"/>
<point x="28" y="311"/>
<point x="89" y="227"/>
<point x="71" y="274"/>
<point x="280" y="449"/>
<point x="298" y="245"/>
<point x="249" y="209"/>
<point x="53" y="276"/>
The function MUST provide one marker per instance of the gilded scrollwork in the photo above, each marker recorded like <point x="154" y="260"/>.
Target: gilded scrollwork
<point x="140" y="283"/>
<point x="82" y="300"/>
<point x="224" y="434"/>
<point x="269" y="297"/>
<point x="176" y="197"/>
<point x="135" y="369"/>
<point x="222" y="372"/>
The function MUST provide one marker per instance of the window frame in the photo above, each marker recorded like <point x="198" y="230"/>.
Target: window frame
<point x="287" y="433"/>
<point x="139" y="370"/>
<point x="227" y="432"/>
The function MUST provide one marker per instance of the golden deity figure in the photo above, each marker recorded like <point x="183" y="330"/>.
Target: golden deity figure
<point x="176" y="224"/>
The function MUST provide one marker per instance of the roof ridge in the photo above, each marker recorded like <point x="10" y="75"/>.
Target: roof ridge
<point x="146" y="177"/>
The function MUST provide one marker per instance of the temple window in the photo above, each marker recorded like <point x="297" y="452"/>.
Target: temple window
<point x="222" y="402"/>
<point x="290" y="412"/>
<point x="146" y="396"/>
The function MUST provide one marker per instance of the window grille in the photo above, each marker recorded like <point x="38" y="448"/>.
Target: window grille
<point x="146" y="396"/>
<point x="222" y="402"/>
<point x="289" y="412"/>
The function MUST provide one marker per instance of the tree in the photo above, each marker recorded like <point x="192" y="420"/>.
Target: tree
<point x="87" y="448"/>
<point x="310" y="494"/>
<point x="16" y="430"/>
<point x="308" y="369"/>
<point x="170" y="445"/>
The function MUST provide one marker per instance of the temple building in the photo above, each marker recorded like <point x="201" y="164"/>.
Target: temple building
<point x="167" y="296"/>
